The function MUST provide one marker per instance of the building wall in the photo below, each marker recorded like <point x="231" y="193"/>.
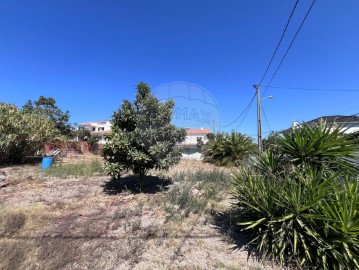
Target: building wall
<point x="192" y="138"/>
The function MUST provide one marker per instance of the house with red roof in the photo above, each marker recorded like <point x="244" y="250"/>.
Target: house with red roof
<point x="189" y="146"/>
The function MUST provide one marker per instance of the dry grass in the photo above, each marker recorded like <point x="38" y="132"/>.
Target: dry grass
<point x="76" y="223"/>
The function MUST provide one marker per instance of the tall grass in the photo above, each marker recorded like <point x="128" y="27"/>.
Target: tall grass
<point x="76" y="170"/>
<point x="196" y="191"/>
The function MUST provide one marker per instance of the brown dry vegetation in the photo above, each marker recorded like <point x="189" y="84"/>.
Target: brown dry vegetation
<point x="90" y="222"/>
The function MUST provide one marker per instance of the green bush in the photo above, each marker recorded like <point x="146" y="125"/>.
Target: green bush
<point x="228" y="149"/>
<point x="22" y="133"/>
<point x="309" y="219"/>
<point x="299" y="202"/>
<point x="142" y="136"/>
<point x="319" y="144"/>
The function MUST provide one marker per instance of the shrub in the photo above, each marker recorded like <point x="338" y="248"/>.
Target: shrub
<point x="299" y="202"/>
<point x="142" y="137"/>
<point x="309" y="219"/>
<point x="318" y="145"/>
<point x="229" y="149"/>
<point x="22" y="133"/>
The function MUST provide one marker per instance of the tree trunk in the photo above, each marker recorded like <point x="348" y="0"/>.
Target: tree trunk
<point x="142" y="181"/>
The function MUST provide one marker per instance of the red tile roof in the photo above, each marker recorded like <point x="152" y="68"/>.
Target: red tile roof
<point x="198" y="131"/>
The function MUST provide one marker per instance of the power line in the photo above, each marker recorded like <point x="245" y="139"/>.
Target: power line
<point x="290" y="45"/>
<point x="249" y="107"/>
<point x="265" y="118"/>
<point x="280" y="41"/>
<point x="314" y="89"/>
<point x="239" y="116"/>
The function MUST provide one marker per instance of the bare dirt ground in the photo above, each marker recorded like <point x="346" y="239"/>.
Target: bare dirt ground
<point x="94" y="223"/>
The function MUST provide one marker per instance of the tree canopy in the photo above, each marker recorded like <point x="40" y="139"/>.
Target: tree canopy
<point x="142" y="136"/>
<point x="46" y="106"/>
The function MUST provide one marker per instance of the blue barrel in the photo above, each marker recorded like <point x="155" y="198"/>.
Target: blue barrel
<point x="46" y="163"/>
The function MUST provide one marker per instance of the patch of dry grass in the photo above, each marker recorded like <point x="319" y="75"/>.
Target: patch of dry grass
<point x="73" y="223"/>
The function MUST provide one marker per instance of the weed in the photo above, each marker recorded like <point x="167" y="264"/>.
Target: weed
<point x="136" y="225"/>
<point x="57" y="253"/>
<point x="194" y="191"/>
<point x="12" y="222"/>
<point x="76" y="170"/>
<point x="12" y="254"/>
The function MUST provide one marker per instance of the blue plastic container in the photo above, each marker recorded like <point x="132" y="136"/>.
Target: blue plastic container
<point x="46" y="163"/>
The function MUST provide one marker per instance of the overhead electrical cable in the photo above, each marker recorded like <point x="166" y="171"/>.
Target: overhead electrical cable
<point x="313" y="89"/>
<point x="290" y="45"/>
<point x="239" y="116"/>
<point x="280" y="41"/>
<point x="245" y="115"/>
<point x="265" y="118"/>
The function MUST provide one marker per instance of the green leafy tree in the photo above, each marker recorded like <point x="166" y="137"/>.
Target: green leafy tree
<point x="83" y="134"/>
<point x="47" y="108"/>
<point x="142" y="136"/>
<point x="22" y="133"/>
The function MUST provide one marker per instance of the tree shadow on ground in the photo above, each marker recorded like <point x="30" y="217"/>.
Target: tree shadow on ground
<point x="226" y="225"/>
<point x="153" y="184"/>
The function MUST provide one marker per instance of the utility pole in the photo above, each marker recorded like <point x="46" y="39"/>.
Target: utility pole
<point x="259" y="117"/>
<point x="213" y="127"/>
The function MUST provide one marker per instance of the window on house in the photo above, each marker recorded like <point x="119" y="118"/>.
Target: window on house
<point x="101" y="128"/>
<point x="81" y="128"/>
<point x="93" y="129"/>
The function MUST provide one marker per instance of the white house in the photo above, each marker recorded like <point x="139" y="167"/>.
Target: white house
<point x="190" y="149"/>
<point x="349" y="123"/>
<point x="98" y="128"/>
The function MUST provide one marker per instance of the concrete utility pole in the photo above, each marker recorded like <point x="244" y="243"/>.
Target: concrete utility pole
<point x="259" y="117"/>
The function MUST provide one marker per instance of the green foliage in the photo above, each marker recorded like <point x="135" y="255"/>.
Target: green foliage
<point x="319" y="144"/>
<point x="195" y="191"/>
<point x="299" y="202"/>
<point x="83" y="134"/>
<point x="76" y="170"/>
<point x="142" y="136"/>
<point x="22" y="133"/>
<point x="228" y="149"/>
<point x="46" y="107"/>
<point x="270" y="143"/>
<point x="309" y="219"/>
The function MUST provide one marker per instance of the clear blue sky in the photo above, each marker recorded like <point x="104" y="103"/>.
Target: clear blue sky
<point x="89" y="55"/>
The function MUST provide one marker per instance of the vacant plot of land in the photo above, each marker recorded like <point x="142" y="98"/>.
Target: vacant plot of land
<point x="74" y="217"/>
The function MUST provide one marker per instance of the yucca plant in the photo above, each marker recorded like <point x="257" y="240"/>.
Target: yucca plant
<point x="229" y="149"/>
<point x="319" y="144"/>
<point x="309" y="218"/>
<point x="339" y="216"/>
<point x="272" y="164"/>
